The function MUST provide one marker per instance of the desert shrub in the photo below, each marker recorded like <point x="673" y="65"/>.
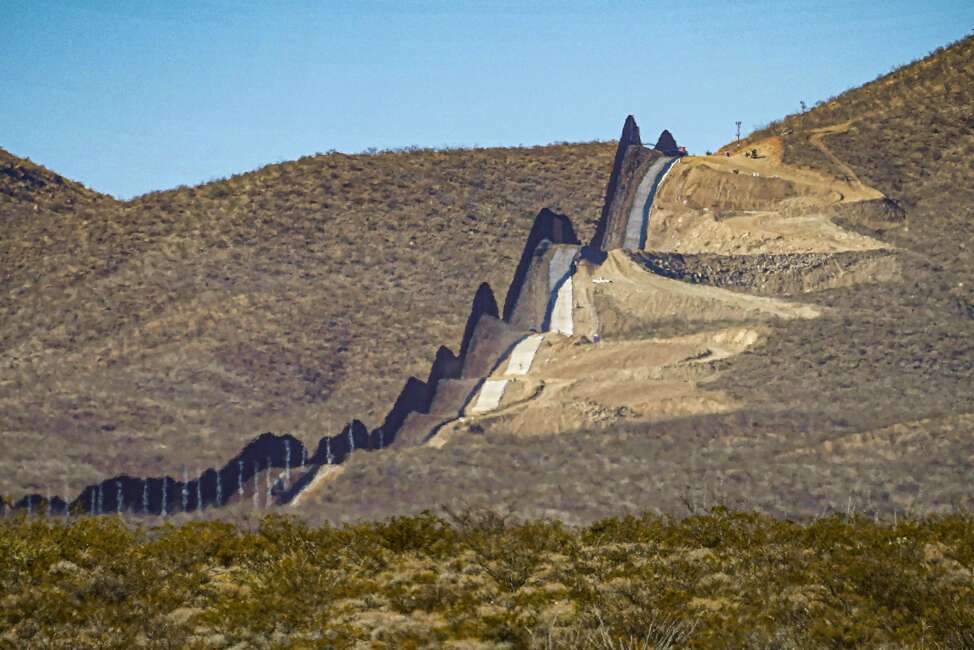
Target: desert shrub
<point x="713" y="580"/>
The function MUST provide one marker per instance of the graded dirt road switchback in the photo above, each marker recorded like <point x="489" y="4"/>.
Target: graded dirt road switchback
<point x="726" y="417"/>
<point x="745" y="206"/>
<point x="641" y="371"/>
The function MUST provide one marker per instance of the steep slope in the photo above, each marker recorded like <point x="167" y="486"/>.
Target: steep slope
<point x="170" y="330"/>
<point x="708" y="394"/>
<point x="910" y="134"/>
<point x="27" y="183"/>
<point x="866" y="406"/>
<point x="46" y="227"/>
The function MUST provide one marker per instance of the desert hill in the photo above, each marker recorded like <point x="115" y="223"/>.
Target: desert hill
<point x="910" y="134"/>
<point x="783" y="325"/>
<point x="26" y="184"/>
<point x="781" y="328"/>
<point x="169" y="330"/>
<point x="863" y="405"/>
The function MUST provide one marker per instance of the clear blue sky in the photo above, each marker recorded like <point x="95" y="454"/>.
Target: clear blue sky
<point x="130" y="97"/>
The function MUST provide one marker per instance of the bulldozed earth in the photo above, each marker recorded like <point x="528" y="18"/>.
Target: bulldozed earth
<point x="723" y="312"/>
<point x="733" y="409"/>
<point x="793" y="336"/>
<point x="639" y="387"/>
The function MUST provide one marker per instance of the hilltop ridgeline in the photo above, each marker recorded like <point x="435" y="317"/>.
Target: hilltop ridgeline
<point x="237" y="478"/>
<point x="888" y="355"/>
<point x="143" y="336"/>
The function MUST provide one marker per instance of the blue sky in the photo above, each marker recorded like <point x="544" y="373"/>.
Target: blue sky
<point x="129" y="97"/>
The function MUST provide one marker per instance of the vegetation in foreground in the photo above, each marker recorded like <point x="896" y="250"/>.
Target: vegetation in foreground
<point x="719" y="580"/>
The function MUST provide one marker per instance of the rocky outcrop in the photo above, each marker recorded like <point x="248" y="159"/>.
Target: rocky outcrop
<point x="872" y="216"/>
<point x="772" y="274"/>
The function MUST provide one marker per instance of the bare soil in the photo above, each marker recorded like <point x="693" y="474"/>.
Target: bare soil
<point x="865" y="406"/>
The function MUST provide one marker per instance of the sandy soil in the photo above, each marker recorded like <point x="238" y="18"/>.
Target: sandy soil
<point x="324" y="476"/>
<point x="620" y="366"/>
<point x="741" y="205"/>
<point x="576" y="384"/>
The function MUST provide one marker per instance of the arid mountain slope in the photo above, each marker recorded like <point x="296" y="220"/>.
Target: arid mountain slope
<point x="910" y="134"/>
<point x="28" y="184"/>
<point x="866" y="406"/>
<point x="872" y="255"/>
<point x="171" y="329"/>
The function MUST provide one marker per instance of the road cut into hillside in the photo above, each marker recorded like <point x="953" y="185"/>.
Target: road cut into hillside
<point x="576" y="385"/>
<point x="693" y="265"/>
<point x="740" y="205"/>
<point x="629" y="301"/>
<point x="627" y="372"/>
<point x="621" y="355"/>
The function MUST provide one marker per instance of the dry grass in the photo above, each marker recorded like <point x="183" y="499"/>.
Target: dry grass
<point x="911" y="136"/>
<point x="901" y="351"/>
<point x="795" y="464"/>
<point x="478" y="579"/>
<point x="171" y="329"/>
<point x="868" y="407"/>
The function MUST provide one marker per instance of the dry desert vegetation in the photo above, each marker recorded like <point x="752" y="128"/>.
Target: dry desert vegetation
<point x="769" y="447"/>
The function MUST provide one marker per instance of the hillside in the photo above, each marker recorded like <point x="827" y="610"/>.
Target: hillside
<point x="26" y="184"/>
<point x="909" y="133"/>
<point x="789" y="331"/>
<point x="732" y="408"/>
<point x="864" y="404"/>
<point x="170" y="330"/>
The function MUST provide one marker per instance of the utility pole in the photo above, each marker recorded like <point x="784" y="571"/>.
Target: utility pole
<point x="738" y="123"/>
